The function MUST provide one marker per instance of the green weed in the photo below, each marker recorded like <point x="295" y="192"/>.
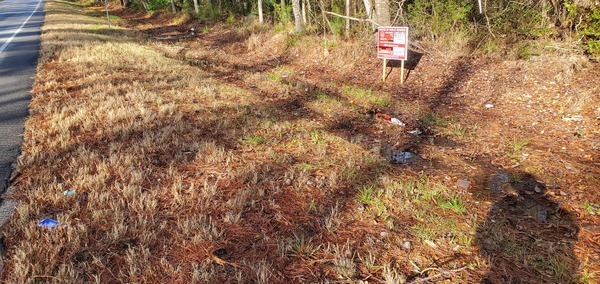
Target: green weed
<point x="316" y="137"/>
<point x="328" y="44"/>
<point x="457" y="130"/>
<point x="291" y="40"/>
<point x="455" y="204"/>
<point x="323" y="97"/>
<point x="593" y="209"/>
<point x="433" y="119"/>
<point x="302" y="248"/>
<point x="253" y="140"/>
<point x="517" y="145"/>
<point x="366" y="195"/>
<point x="356" y="92"/>
<point x="305" y="167"/>
<point x="274" y="77"/>
<point x="380" y="101"/>
<point x="424" y="232"/>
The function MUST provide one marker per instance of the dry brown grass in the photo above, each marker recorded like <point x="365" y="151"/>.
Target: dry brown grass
<point x="195" y="166"/>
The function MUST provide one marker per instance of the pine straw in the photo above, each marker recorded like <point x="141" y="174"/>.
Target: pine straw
<point x="195" y="166"/>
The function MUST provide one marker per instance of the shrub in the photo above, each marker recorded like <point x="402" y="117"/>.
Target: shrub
<point x="591" y="31"/>
<point x="437" y="18"/>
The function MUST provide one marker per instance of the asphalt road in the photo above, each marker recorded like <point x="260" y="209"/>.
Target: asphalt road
<point x="20" y="23"/>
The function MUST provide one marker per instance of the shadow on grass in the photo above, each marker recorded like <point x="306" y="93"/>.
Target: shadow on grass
<point x="288" y="225"/>
<point x="527" y="237"/>
<point x="528" y="245"/>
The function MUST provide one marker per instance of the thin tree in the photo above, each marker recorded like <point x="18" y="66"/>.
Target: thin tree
<point x="260" y="12"/>
<point x="297" y="15"/>
<point x="348" y="18"/>
<point x="173" y="6"/>
<point x="378" y="12"/>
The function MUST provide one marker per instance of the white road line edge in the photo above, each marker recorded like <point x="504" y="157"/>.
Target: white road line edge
<point x="19" y="29"/>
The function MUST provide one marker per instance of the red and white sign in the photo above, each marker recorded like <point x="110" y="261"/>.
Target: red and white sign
<point x="392" y="43"/>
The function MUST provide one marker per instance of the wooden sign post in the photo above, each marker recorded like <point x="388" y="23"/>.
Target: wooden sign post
<point x="392" y="43"/>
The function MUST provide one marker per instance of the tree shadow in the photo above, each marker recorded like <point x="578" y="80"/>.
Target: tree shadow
<point x="527" y="237"/>
<point x="285" y="214"/>
<point x="414" y="58"/>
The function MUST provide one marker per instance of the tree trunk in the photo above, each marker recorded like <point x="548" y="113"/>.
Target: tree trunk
<point x="304" y="19"/>
<point x="308" y="10"/>
<point x="347" y="19"/>
<point x="382" y="12"/>
<point x="260" y="12"/>
<point x="173" y="6"/>
<point x="196" y="7"/>
<point x="369" y="8"/>
<point x="145" y="4"/>
<point x="297" y="15"/>
<point x="378" y="13"/>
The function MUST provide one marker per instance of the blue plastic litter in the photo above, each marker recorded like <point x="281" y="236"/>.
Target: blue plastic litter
<point x="69" y="192"/>
<point x="49" y="224"/>
<point x="402" y="157"/>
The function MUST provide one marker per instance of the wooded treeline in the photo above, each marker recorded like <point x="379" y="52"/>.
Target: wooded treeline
<point x="435" y="20"/>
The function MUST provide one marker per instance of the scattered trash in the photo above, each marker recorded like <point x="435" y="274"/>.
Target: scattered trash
<point x="360" y="207"/>
<point x="416" y="132"/>
<point x="50" y="224"/>
<point x="390" y="119"/>
<point x="383" y="234"/>
<point x="192" y="31"/>
<point x="69" y="192"/>
<point x="489" y="105"/>
<point x="401" y="157"/>
<point x="576" y="118"/>
<point x="542" y="215"/>
<point x="430" y="243"/>
<point x="407" y="245"/>
<point x="397" y="122"/>
<point x="288" y="181"/>
<point x="463" y="184"/>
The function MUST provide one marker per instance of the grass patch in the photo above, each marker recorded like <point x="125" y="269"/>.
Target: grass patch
<point x="366" y="97"/>
<point x="253" y="140"/>
<point x="455" y="204"/>
<point x="433" y="119"/>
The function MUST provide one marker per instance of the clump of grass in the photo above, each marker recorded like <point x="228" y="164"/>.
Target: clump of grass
<point x="517" y="145"/>
<point x="456" y="130"/>
<point x="301" y="247"/>
<point x="357" y="93"/>
<point x="366" y="97"/>
<point x="275" y="77"/>
<point x="433" y="119"/>
<point x="454" y="203"/>
<point x="253" y="140"/>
